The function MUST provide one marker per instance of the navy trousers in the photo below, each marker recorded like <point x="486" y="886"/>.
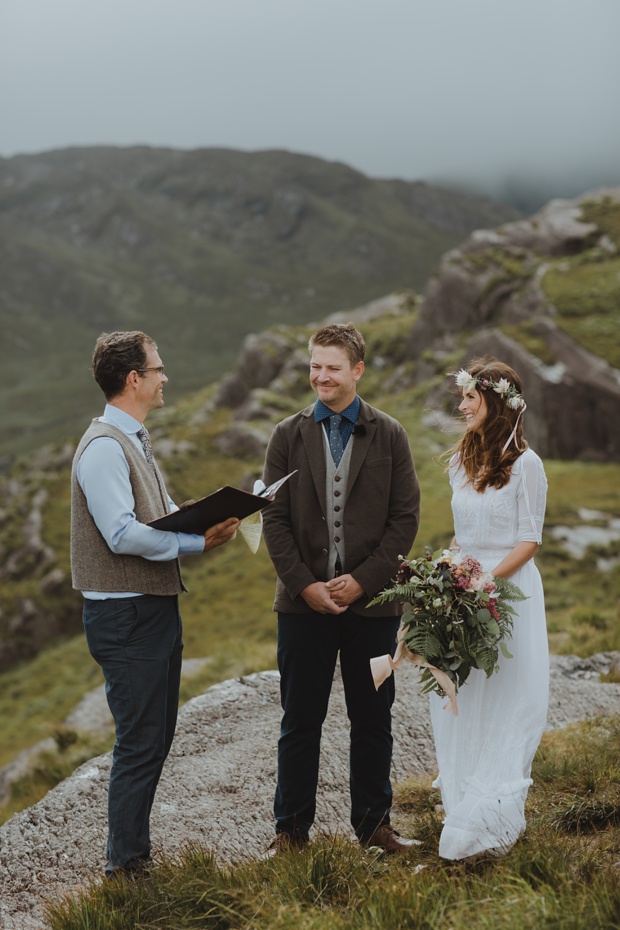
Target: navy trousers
<point x="138" y="642"/>
<point x="308" y="647"/>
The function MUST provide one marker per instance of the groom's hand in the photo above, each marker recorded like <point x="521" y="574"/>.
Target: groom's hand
<point x="317" y="597"/>
<point x="344" y="590"/>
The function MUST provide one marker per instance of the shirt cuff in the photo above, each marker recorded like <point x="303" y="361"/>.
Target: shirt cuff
<point x="189" y="542"/>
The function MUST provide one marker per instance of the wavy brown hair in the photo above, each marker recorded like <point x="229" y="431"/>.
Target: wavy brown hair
<point x="115" y="355"/>
<point x="344" y="335"/>
<point x="480" y="454"/>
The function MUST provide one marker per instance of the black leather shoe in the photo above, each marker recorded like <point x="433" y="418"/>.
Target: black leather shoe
<point x="284" y="842"/>
<point x="390" y="840"/>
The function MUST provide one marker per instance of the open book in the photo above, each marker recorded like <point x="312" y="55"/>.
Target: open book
<point x="198" y="516"/>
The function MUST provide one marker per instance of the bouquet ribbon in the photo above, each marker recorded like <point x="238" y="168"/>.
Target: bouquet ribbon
<point x="383" y="666"/>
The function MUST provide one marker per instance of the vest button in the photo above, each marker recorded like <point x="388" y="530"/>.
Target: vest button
<point x="336" y="493"/>
<point x="336" y="538"/>
<point x="337" y="478"/>
<point x="336" y="509"/>
<point x="337" y="523"/>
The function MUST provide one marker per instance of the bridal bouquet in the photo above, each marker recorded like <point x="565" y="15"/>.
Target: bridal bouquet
<point x="457" y="617"/>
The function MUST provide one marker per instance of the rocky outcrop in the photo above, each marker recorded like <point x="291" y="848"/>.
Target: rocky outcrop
<point x="493" y="286"/>
<point x="572" y="404"/>
<point x="274" y="365"/>
<point x="38" y="603"/>
<point x="217" y="786"/>
<point x="90" y="716"/>
<point x="485" y="277"/>
<point x="260" y="360"/>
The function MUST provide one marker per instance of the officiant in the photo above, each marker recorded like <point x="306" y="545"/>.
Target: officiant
<point x="130" y="578"/>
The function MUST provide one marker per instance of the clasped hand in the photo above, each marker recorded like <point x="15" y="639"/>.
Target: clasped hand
<point x="332" y="597"/>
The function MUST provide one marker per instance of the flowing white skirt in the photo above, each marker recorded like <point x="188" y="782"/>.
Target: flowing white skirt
<point x="485" y="753"/>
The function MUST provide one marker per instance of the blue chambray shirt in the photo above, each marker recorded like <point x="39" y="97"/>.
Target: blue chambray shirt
<point x="349" y="418"/>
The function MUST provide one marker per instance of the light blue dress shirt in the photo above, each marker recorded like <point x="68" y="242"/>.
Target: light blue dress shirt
<point x="103" y="475"/>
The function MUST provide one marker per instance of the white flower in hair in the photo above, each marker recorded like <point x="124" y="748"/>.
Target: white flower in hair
<point x="463" y="379"/>
<point x="502" y="386"/>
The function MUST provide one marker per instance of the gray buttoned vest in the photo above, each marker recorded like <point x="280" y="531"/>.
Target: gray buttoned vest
<point x="336" y="480"/>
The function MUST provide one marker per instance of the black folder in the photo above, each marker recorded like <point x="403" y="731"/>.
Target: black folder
<point x="197" y="516"/>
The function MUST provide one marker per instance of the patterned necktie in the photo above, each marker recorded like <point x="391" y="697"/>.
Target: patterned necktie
<point x="335" y="439"/>
<point x="145" y="439"/>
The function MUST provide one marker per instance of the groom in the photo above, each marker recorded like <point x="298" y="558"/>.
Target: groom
<point x="334" y="533"/>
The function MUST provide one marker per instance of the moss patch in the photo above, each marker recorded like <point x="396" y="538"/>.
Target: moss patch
<point x="587" y="298"/>
<point x="525" y="335"/>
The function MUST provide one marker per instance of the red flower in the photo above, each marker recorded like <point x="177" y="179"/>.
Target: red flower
<point x="404" y="573"/>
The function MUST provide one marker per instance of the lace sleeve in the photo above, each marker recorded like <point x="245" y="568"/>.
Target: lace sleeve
<point x="531" y="498"/>
<point x="453" y="467"/>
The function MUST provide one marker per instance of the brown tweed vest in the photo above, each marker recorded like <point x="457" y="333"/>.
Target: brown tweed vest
<point x="94" y="567"/>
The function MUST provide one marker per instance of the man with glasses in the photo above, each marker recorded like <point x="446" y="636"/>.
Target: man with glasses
<point x="130" y="577"/>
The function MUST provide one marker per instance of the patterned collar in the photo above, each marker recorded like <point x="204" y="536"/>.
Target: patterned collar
<point x="322" y="411"/>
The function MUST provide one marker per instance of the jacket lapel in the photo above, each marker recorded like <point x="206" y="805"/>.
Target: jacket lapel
<point x="366" y="429"/>
<point x="312" y="436"/>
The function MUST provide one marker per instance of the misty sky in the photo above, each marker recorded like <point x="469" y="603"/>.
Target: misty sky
<point x="463" y="90"/>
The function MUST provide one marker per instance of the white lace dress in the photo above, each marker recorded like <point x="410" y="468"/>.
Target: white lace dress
<point x="485" y="754"/>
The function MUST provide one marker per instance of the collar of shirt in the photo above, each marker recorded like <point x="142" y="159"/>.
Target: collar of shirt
<point x="117" y="417"/>
<point x="351" y="413"/>
<point x="114" y="416"/>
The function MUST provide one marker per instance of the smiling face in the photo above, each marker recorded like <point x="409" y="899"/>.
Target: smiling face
<point x="333" y="378"/>
<point x="474" y="409"/>
<point x="150" y="388"/>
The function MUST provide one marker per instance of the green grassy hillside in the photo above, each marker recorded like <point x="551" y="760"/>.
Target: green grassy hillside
<point x="197" y="248"/>
<point x="227" y="613"/>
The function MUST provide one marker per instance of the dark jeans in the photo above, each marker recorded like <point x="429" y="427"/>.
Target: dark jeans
<point x="138" y="642"/>
<point x="308" y="646"/>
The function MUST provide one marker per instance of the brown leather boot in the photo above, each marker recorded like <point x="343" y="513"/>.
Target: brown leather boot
<point x="390" y="840"/>
<point x="283" y="842"/>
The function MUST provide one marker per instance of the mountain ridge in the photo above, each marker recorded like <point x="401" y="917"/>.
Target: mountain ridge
<point x="201" y="247"/>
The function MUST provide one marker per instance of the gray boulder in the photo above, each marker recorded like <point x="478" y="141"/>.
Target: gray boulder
<point x="493" y="281"/>
<point x="260" y="360"/>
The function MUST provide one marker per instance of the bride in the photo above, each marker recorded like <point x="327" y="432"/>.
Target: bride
<point x="498" y="502"/>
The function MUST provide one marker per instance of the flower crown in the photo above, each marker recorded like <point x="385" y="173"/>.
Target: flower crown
<point x="503" y="387"/>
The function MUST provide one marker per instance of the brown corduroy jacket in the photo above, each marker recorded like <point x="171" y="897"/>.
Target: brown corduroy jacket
<point x="380" y="519"/>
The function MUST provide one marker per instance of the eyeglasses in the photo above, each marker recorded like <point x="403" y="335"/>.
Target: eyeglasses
<point x="159" y="370"/>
